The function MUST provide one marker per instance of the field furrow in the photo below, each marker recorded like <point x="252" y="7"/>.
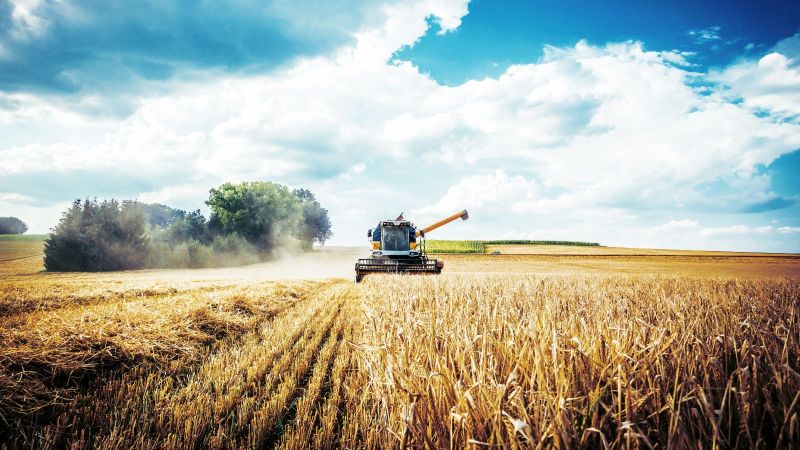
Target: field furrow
<point x="315" y="415"/>
<point x="271" y="415"/>
<point x="227" y="388"/>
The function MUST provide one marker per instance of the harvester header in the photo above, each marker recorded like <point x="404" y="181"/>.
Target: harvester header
<point x="399" y="247"/>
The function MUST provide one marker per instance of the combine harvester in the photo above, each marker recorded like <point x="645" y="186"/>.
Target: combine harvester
<point x="399" y="247"/>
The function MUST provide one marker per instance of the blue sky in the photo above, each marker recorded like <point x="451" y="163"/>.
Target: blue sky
<point x="657" y="124"/>
<point x="498" y="33"/>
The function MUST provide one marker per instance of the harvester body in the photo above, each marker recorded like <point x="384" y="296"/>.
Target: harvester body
<point x="398" y="246"/>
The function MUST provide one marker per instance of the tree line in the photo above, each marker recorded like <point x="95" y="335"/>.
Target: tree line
<point x="248" y="222"/>
<point x="12" y="225"/>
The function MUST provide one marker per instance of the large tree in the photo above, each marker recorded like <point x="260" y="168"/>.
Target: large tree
<point x="260" y="211"/>
<point x="12" y="225"/>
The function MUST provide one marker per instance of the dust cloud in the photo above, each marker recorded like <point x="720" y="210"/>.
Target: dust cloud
<point x="321" y="263"/>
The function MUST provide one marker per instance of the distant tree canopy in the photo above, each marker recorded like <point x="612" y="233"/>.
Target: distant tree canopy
<point x="158" y="215"/>
<point x="248" y="222"/>
<point x="12" y="225"/>
<point x="191" y="226"/>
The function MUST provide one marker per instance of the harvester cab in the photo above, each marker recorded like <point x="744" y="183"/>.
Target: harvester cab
<point x="397" y="246"/>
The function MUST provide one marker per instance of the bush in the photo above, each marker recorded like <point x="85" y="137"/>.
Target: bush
<point x="233" y="249"/>
<point x="199" y="255"/>
<point x="12" y="225"/>
<point x="96" y="236"/>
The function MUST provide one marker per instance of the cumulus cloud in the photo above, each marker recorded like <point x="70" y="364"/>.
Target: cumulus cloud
<point x="492" y="192"/>
<point x="616" y="126"/>
<point x="588" y="143"/>
<point x="768" y="85"/>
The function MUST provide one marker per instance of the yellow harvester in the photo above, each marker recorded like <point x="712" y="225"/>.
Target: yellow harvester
<point x="399" y="247"/>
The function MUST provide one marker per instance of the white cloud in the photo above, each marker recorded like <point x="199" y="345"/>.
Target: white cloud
<point x="491" y="192"/>
<point x="692" y="226"/>
<point x="185" y="196"/>
<point x="588" y="143"/>
<point x="771" y="84"/>
<point x="648" y="139"/>
<point x="405" y="23"/>
<point x="13" y="197"/>
<point x="705" y="35"/>
<point x="26" y="22"/>
<point x="40" y="219"/>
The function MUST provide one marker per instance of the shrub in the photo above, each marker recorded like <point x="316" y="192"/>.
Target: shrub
<point x="192" y="226"/>
<point x="233" y="249"/>
<point x="199" y="255"/>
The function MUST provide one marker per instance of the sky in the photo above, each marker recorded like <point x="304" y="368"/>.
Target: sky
<point x="648" y="124"/>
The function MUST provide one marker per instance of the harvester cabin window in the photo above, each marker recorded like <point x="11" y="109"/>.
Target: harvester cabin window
<point x="395" y="238"/>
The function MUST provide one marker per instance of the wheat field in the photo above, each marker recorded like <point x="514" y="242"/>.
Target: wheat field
<point x="463" y="360"/>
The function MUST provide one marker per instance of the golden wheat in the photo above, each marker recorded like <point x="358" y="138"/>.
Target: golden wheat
<point x="525" y="361"/>
<point x="457" y="361"/>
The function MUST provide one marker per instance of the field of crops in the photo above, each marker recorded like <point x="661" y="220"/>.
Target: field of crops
<point x="461" y="247"/>
<point x="16" y="246"/>
<point x="527" y="361"/>
<point x="153" y="360"/>
<point x="454" y="247"/>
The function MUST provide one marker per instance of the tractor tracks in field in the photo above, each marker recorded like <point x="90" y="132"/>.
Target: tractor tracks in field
<point x="291" y="393"/>
<point x="301" y="394"/>
<point x="313" y="416"/>
<point x="20" y="257"/>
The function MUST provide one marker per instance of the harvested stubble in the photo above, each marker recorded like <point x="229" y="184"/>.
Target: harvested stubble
<point x="280" y="382"/>
<point x="630" y="361"/>
<point x="49" y="357"/>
